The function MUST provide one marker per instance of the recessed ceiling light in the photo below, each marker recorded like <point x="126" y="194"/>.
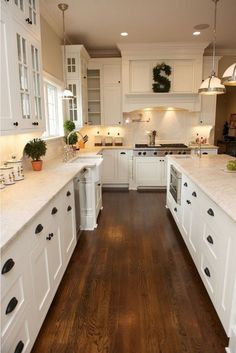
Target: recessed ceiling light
<point x="196" y="33"/>
<point x="124" y="34"/>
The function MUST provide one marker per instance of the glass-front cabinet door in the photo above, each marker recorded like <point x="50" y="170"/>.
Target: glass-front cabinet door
<point x="27" y="12"/>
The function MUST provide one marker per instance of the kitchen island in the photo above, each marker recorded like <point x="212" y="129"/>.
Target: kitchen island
<point x="205" y="213"/>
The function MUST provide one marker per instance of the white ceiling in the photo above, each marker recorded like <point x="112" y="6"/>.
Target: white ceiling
<point x="97" y="23"/>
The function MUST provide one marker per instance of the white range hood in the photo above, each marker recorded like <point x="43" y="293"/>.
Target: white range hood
<point x="138" y="61"/>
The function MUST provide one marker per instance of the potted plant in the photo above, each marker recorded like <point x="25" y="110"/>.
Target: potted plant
<point x="69" y="126"/>
<point x="35" y="149"/>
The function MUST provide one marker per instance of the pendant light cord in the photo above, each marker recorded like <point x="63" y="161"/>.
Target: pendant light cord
<point x="64" y="47"/>
<point x="214" y="39"/>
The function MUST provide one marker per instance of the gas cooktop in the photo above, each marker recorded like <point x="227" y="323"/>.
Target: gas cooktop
<point x="163" y="149"/>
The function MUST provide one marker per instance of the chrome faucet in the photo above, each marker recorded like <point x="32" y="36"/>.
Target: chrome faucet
<point x="69" y="152"/>
<point x="70" y="133"/>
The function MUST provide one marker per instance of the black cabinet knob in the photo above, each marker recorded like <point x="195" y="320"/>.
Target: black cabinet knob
<point x="194" y="194"/>
<point x="188" y="202"/>
<point x="16" y="123"/>
<point x="207" y="272"/>
<point x="28" y="20"/>
<point x="54" y="210"/>
<point x="48" y="237"/>
<point x="210" y="240"/>
<point x="69" y="208"/>
<point x="68" y="193"/>
<point x="38" y="229"/>
<point x="51" y="235"/>
<point x="8" y="266"/>
<point x="211" y="212"/>
<point x="175" y="209"/>
<point x="19" y="347"/>
<point x="99" y="184"/>
<point x="186" y="184"/>
<point x="11" y="305"/>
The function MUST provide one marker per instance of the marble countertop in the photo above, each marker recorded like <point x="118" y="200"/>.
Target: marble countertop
<point x="26" y="198"/>
<point x="208" y="173"/>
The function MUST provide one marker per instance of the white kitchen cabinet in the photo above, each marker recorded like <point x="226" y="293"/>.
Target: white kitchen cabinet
<point x="150" y="171"/>
<point x="32" y="266"/>
<point x="115" y="167"/>
<point x="182" y="78"/>
<point x="76" y="73"/>
<point x="22" y="109"/>
<point x="140" y="76"/>
<point x="104" y="92"/>
<point x="210" y="237"/>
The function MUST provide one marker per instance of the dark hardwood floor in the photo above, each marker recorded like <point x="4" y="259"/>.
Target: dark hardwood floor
<point x="131" y="287"/>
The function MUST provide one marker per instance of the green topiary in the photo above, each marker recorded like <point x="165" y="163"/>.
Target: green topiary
<point x="73" y="138"/>
<point x="69" y="126"/>
<point x="35" y="149"/>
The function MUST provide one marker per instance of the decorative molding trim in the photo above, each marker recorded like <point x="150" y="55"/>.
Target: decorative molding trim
<point x="221" y="52"/>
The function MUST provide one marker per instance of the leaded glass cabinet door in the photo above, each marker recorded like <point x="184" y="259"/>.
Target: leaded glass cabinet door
<point x="37" y="88"/>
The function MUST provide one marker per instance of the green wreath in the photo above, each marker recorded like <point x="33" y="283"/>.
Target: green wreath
<point x="162" y="83"/>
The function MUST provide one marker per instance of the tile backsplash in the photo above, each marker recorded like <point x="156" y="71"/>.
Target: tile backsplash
<point x="171" y="126"/>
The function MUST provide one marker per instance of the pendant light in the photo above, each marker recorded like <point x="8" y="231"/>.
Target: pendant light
<point x="212" y="85"/>
<point x="67" y="94"/>
<point x="229" y="76"/>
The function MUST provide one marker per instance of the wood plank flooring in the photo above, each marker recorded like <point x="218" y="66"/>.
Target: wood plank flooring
<point x="131" y="287"/>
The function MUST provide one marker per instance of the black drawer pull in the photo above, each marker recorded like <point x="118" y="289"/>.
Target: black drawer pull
<point x="54" y="210"/>
<point x="188" y="202"/>
<point x="210" y="240"/>
<point x="194" y="194"/>
<point x="16" y="123"/>
<point x="38" y="229"/>
<point x="175" y="209"/>
<point x="69" y="208"/>
<point x="211" y="212"/>
<point x="204" y="152"/>
<point x="11" y="305"/>
<point x="19" y="347"/>
<point x="7" y="266"/>
<point x="68" y="193"/>
<point x="207" y="272"/>
<point x="122" y="152"/>
<point x="186" y="185"/>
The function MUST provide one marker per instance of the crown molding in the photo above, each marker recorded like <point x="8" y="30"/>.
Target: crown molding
<point x="221" y="52"/>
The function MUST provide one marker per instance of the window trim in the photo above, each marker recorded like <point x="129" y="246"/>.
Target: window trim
<point x="49" y="79"/>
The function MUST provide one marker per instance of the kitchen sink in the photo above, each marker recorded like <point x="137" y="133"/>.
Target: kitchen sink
<point x="184" y="157"/>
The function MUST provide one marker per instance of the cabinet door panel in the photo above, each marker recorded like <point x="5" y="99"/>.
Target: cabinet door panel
<point x="148" y="172"/>
<point x="40" y="278"/>
<point x="109" y="167"/>
<point x="54" y="255"/>
<point x="111" y="74"/>
<point x="140" y="76"/>
<point x="123" y="166"/>
<point x="7" y="75"/>
<point x="112" y="105"/>
<point x="183" y="74"/>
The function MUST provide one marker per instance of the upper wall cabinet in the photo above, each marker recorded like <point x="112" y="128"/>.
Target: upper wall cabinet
<point x="21" y="83"/>
<point x="104" y="92"/>
<point x="76" y="74"/>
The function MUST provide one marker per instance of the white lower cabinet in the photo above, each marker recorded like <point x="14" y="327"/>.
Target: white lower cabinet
<point x="115" y="167"/>
<point x="210" y="237"/>
<point x="150" y="171"/>
<point x="32" y="266"/>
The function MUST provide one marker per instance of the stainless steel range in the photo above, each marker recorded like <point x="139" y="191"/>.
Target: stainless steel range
<point x="144" y="150"/>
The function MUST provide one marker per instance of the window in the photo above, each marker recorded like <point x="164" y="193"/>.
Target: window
<point x="53" y="109"/>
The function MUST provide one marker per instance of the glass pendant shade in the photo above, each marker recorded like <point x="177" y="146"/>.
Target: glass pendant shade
<point x="211" y="86"/>
<point x="229" y="76"/>
<point x="67" y="94"/>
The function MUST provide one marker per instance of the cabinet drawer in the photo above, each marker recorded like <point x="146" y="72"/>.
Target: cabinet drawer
<point x="214" y="243"/>
<point x="18" y="339"/>
<point x="12" y="304"/>
<point x="209" y="277"/>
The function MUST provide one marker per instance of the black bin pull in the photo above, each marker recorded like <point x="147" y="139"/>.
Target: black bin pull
<point x="194" y="194"/>
<point x="38" y="229"/>
<point x="54" y="210"/>
<point x="19" y="347"/>
<point x="69" y="208"/>
<point x="210" y="240"/>
<point x="122" y="152"/>
<point x="211" y="212"/>
<point x="68" y="193"/>
<point x="207" y="272"/>
<point x="186" y="184"/>
<point x="11" y="305"/>
<point x="8" y="266"/>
